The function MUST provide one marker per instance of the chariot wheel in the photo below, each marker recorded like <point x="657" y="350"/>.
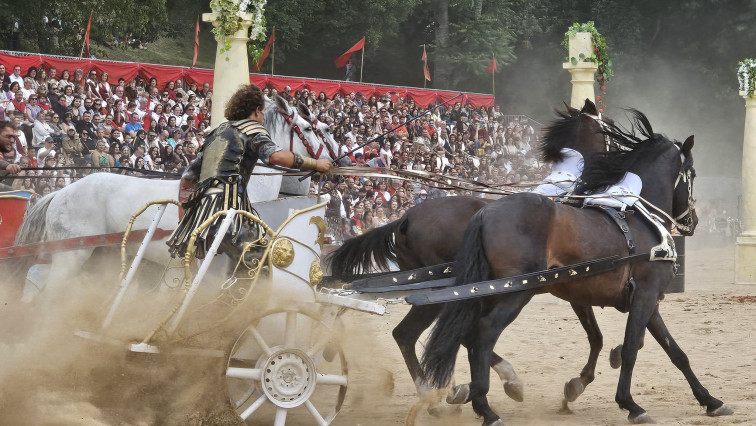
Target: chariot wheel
<point x="287" y="365"/>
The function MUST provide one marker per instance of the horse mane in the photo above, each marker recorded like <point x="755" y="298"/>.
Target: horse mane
<point x="603" y="169"/>
<point x="271" y="115"/>
<point x="557" y="134"/>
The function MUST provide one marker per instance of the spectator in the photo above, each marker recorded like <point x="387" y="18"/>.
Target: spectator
<point x="351" y="71"/>
<point x="42" y="131"/>
<point x="16" y="76"/>
<point x="73" y="150"/>
<point x="48" y="150"/>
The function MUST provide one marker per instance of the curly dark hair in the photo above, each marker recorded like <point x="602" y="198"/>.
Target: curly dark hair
<point x="244" y="102"/>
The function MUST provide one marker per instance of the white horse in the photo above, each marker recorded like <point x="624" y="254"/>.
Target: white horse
<point x="291" y="185"/>
<point x="103" y="203"/>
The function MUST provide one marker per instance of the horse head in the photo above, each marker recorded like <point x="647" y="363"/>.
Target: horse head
<point x="291" y="131"/>
<point x="584" y="130"/>
<point x="324" y="133"/>
<point x="683" y="203"/>
<point x="664" y="167"/>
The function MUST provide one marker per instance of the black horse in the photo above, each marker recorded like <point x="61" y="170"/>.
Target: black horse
<point x="431" y="232"/>
<point x="526" y="233"/>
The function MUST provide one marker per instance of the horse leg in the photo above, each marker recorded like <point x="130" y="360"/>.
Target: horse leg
<point x="480" y="348"/>
<point x="512" y="384"/>
<point x="575" y="387"/>
<point x="64" y="266"/>
<point x="658" y="329"/>
<point x="407" y="333"/>
<point x="640" y="313"/>
<point x="615" y="355"/>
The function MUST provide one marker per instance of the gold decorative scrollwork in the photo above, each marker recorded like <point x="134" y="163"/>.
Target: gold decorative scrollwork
<point x="316" y="274"/>
<point x="283" y="253"/>
<point x="317" y="220"/>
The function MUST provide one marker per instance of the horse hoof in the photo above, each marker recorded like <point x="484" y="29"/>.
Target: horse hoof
<point x="573" y="389"/>
<point x="615" y="357"/>
<point x="458" y="394"/>
<point x="496" y="423"/>
<point x="643" y="419"/>
<point x="440" y="410"/>
<point x="565" y="408"/>
<point x="721" y="411"/>
<point x="329" y="353"/>
<point x="514" y="389"/>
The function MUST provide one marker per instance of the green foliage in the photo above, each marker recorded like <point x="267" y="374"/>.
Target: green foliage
<point x="229" y="21"/>
<point x="747" y="76"/>
<point x="600" y="50"/>
<point x="58" y="26"/>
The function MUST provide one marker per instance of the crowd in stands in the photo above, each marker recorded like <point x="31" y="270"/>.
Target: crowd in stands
<point x="478" y="144"/>
<point x="66" y="118"/>
<point x="69" y="118"/>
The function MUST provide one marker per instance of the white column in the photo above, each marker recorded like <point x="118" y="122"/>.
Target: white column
<point x="231" y="66"/>
<point x="583" y="73"/>
<point x="745" y="251"/>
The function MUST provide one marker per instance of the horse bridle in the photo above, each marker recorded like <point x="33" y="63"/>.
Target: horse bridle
<point x="609" y="142"/>
<point x="684" y="221"/>
<point x="295" y="129"/>
<point x="314" y="123"/>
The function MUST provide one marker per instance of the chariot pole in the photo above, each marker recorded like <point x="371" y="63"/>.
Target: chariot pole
<point x="745" y="252"/>
<point x="231" y="66"/>
<point x="583" y="73"/>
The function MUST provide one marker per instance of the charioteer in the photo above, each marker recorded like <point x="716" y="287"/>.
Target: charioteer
<point x="217" y="179"/>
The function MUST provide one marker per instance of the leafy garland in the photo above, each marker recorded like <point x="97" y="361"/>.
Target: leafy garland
<point x="229" y="19"/>
<point x="600" y="56"/>
<point x="747" y="76"/>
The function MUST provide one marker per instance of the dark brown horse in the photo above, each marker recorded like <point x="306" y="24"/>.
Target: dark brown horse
<point x="431" y="232"/>
<point x="526" y="233"/>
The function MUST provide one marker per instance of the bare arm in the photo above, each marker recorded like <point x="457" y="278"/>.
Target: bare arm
<point x="286" y="159"/>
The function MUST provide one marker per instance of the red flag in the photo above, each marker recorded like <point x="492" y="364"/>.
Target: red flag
<point x="86" y="37"/>
<point x="196" y="43"/>
<point x="342" y="60"/>
<point x="493" y="68"/>
<point x="271" y="40"/>
<point x="425" y="65"/>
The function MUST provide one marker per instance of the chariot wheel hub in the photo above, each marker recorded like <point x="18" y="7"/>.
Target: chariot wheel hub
<point x="288" y="378"/>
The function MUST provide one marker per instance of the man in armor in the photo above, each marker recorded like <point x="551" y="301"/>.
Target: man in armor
<point x="217" y="179"/>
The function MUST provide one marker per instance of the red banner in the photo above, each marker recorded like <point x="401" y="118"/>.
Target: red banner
<point x="492" y="68"/>
<point x="86" y="37"/>
<point x="196" y="44"/>
<point x="165" y="73"/>
<point x="271" y="40"/>
<point x="342" y="60"/>
<point x="426" y="72"/>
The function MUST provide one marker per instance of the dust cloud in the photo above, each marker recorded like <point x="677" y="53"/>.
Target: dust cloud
<point x="49" y="376"/>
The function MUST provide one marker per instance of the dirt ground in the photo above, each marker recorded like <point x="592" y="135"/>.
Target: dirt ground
<point x="712" y="321"/>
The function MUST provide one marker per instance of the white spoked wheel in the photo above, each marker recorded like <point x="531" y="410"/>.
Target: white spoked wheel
<point x="287" y="365"/>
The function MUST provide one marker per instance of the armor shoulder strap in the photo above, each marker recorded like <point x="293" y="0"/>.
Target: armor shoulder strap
<point x="250" y="127"/>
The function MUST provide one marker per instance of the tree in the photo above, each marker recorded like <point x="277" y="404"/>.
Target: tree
<point x="58" y="26"/>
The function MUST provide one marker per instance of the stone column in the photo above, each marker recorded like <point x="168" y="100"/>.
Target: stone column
<point x="745" y="250"/>
<point x="231" y="67"/>
<point x="583" y="73"/>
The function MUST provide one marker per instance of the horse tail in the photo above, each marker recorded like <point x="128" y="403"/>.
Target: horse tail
<point x="365" y="253"/>
<point x="32" y="231"/>
<point x="458" y="317"/>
